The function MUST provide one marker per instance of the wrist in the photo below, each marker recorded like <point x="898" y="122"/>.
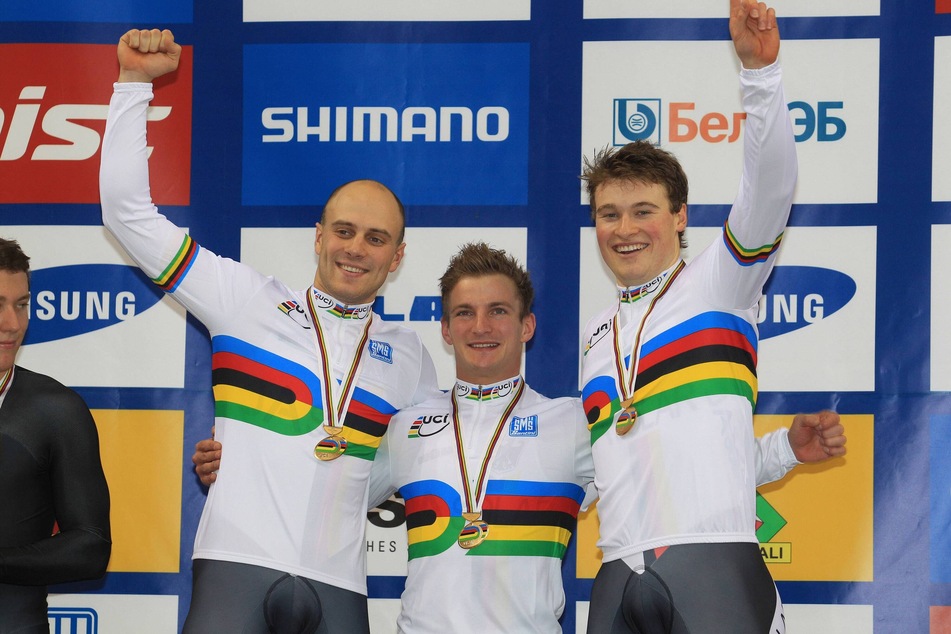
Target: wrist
<point x="126" y="75"/>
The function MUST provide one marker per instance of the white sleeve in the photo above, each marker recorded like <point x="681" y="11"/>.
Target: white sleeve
<point x="380" y="483"/>
<point x="746" y="253"/>
<point x="428" y="386"/>
<point x="584" y="463"/>
<point x="211" y="287"/>
<point x="774" y="457"/>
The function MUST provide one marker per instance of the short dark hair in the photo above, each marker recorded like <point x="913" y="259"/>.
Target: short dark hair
<point x="13" y="259"/>
<point x="477" y="259"/>
<point x="637" y="162"/>
<point x="399" y="203"/>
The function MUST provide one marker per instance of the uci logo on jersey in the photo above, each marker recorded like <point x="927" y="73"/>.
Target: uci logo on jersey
<point x="295" y="311"/>
<point x="428" y="425"/>
<point x="597" y="335"/>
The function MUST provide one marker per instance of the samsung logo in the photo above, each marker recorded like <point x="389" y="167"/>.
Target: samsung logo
<point x="383" y="123"/>
<point x="74" y="300"/>
<point x="797" y="296"/>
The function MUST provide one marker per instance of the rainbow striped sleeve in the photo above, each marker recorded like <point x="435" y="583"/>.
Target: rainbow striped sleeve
<point x="744" y="256"/>
<point x="169" y="279"/>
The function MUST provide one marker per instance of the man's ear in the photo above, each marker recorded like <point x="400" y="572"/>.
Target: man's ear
<point x="528" y="327"/>
<point x="398" y="257"/>
<point x="445" y="330"/>
<point x="318" y="237"/>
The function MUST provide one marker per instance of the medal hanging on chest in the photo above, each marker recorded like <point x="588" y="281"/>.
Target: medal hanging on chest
<point x="335" y="444"/>
<point x="331" y="447"/>
<point x="626" y="416"/>
<point x="474" y="532"/>
<point x="625" y="419"/>
<point x="476" y="529"/>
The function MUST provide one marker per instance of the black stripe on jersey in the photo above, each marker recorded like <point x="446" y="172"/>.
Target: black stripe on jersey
<point x="529" y="518"/>
<point x="426" y="517"/>
<point x="696" y="356"/>
<point x="244" y="381"/>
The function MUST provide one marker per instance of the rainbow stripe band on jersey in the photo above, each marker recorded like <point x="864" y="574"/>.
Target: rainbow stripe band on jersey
<point x="178" y="268"/>
<point x="713" y="353"/>
<point x="744" y="256"/>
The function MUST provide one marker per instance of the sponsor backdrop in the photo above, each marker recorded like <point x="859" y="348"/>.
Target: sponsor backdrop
<point x="479" y="114"/>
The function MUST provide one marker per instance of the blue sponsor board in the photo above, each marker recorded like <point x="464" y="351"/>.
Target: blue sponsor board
<point x="796" y="296"/>
<point x="72" y="300"/>
<point x="441" y="124"/>
<point x="122" y="11"/>
<point x="940" y="516"/>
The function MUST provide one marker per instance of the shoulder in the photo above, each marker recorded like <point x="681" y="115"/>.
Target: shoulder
<point x="395" y="343"/>
<point x="597" y="327"/>
<point x="395" y="332"/>
<point x="43" y="398"/>
<point x="41" y="386"/>
<point x="602" y="317"/>
<point x="438" y="402"/>
<point x="564" y="407"/>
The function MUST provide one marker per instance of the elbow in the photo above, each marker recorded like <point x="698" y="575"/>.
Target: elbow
<point x="96" y="551"/>
<point x="99" y="560"/>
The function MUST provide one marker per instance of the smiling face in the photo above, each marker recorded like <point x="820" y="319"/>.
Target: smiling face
<point x="482" y="324"/>
<point x="637" y="230"/>
<point x="14" y="315"/>
<point x="358" y="242"/>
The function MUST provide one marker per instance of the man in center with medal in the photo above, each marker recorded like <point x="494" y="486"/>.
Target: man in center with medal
<point x="493" y="474"/>
<point x="305" y="382"/>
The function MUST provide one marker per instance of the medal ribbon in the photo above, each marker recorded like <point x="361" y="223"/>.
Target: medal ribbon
<point x="5" y="383"/>
<point x="475" y="502"/>
<point x="627" y="374"/>
<point x="335" y="415"/>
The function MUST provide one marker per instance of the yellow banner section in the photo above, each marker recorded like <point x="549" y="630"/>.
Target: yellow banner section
<point x="142" y="458"/>
<point x="827" y="509"/>
<point x="589" y="555"/>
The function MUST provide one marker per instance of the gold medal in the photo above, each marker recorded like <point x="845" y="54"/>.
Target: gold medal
<point x="474" y="532"/>
<point x="331" y="447"/>
<point x="625" y="419"/>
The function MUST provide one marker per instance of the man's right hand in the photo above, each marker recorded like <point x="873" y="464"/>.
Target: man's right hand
<point x="207" y="459"/>
<point x="147" y="54"/>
